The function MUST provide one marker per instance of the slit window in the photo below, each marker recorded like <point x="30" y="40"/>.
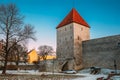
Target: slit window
<point x="78" y="38"/>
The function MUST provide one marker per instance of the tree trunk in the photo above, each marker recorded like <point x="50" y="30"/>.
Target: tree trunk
<point x="17" y="58"/>
<point x="4" y="68"/>
<point x="17" y="63"/>
<point x="5" y="64"/>
<point x="6" y="55"/>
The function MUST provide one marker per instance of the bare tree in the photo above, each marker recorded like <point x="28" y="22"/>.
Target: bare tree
<point x="44" y="51"/>
<point x="1" y="52"/>
<point x="12" y="28"/>
<point x="16" y="53"/>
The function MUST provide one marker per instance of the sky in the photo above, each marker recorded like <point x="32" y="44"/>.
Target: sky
<point x="103" y="16"/>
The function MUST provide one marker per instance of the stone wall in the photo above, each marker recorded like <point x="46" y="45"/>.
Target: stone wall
<point x="65" y="47"/>
<point x="101" y="52"/>
<point x="50" y="65"/>
<point x="81" y="33"/>
<point x="65" y="41"/>
<point x="69" y="40"/>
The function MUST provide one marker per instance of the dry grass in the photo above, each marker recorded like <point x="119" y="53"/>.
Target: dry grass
<point x="37" y="77"/>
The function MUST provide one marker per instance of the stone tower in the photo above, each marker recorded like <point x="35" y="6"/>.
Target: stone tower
<point x="70" y="34"/>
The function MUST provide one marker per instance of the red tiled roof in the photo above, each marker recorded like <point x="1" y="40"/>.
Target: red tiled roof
<point x="73" y="16"/>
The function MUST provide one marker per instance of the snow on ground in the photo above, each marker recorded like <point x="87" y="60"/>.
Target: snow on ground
<point x="90" y="77"/>
<point x="84" y="73"/>
<point x="104" y="73"/>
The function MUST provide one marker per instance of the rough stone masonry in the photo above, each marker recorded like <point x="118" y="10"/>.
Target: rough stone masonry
<point x="75" y="49"/>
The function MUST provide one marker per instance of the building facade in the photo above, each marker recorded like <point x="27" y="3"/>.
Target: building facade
<point x="75" y="49"/>
<point x="70" y="34"/>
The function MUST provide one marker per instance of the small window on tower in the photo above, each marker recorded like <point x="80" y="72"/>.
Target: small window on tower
<point x="78" y="38"/>
<point x="68" y="47"/>
<point x="65" y="29"/>
<point x="65" y="38"/>
<point x="81" y="29"/>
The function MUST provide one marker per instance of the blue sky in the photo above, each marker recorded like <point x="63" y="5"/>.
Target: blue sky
<point x="103" y="16"/>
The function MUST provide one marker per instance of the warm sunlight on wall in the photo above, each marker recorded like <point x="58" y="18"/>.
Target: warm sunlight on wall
<point x="32" y="56"/>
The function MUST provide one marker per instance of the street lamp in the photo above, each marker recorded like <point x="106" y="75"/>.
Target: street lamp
<point x="115" y="65"/>
<point x="53" y="65"/>
<point x="118" y="44"/>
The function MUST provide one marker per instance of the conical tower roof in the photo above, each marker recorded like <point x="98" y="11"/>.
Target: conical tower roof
<point x="73" y="16"/>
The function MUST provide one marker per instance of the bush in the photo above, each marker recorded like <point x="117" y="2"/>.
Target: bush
<point x="12" y="67"/>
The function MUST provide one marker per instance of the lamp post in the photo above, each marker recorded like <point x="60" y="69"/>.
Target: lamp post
<point x="115" y="66"/>
<point x="53" y="66"/>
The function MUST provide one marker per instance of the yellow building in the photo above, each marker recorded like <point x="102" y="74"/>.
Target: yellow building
<point x="33" y="56"/>
<point x="49" y="57"/>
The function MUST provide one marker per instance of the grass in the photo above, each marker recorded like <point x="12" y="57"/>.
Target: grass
<point x="37" y="77"/>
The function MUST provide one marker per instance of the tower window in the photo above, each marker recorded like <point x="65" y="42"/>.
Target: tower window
<point x="81" y="29"/>
<point x="65" y="38"/>
<point x="68" y="47"/>
<point x="65" y="29"/>
<point x="78" y="38"/>
<point x="59" y="40"/>
<point x="60" y="30"/>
